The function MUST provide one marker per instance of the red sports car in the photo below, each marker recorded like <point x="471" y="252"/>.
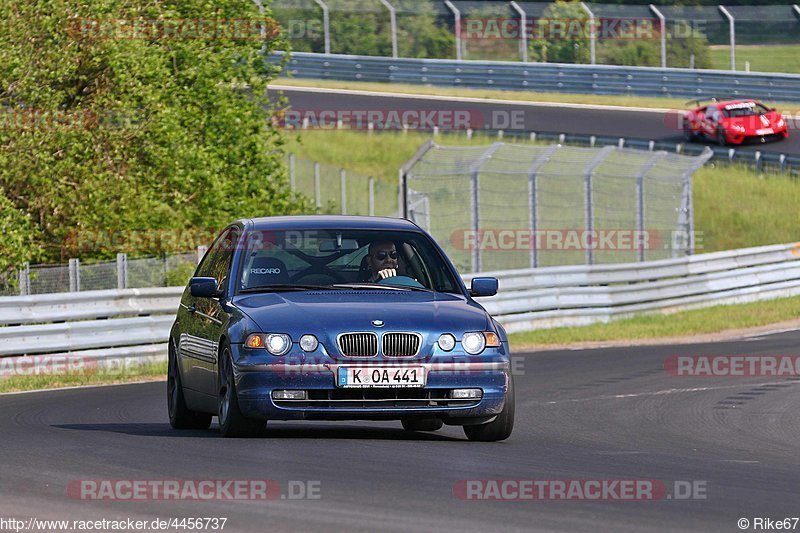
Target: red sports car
<point x="734" y="122"/>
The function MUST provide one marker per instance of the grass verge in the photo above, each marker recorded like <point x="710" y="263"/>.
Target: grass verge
<point x="686" y="323"/>
<point x="523" y="96"/>
<point x="144" y="372"/>
<point x="783" y="58"/>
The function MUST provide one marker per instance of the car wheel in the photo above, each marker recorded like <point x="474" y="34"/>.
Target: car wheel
<point x="721" y="137"/>
<point x="425" y="424"/>
<point x="500" y="428"/>
<point x="232" y="423"/>
<point x="180" y="417"/>
<point x="688" y="135"/>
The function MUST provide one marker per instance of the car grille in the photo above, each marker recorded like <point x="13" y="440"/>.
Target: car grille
<point x="401" y="344"/>
<point x="388" y="398"/>
<point x="358" y="344"/>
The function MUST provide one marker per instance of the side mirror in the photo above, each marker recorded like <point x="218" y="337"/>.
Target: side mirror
<point x="483" y="287"/>
<point x="204" y="288"/>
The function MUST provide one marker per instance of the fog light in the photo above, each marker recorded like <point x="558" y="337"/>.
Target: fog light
<point x="288" y="395"/>
<point x="466" y="394"/>
<point x="308" y="343"/>
<point x="447" y="342"/>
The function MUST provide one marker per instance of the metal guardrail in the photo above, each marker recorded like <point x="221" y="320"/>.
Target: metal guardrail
<point x="578" y="295"/>
<point x="528" y="299"/>
<point x="549" y="77"/>
<point x="757" y="159"/>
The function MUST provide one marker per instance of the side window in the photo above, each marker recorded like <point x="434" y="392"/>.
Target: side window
<point x="217" y="261"/>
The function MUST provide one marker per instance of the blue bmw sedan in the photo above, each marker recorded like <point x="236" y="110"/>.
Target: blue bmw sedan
<point x="336" y="318"/>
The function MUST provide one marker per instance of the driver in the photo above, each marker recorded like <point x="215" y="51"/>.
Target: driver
<point x="383" y="260"/>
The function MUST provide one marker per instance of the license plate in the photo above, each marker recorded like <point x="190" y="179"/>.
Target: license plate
<point x="765" y="131"/>
<point x="385" y="376"/>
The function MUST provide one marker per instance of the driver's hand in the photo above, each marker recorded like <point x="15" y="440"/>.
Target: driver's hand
<point x="387" y="273"/>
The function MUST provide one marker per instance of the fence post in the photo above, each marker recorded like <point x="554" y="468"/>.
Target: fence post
<point x="393" y="23"/>
<point x="589" y="207"/>
<point x="343" y="180"/>
<point x="74" y="275"/>
<point x="326" y="23"/>
<point x="371" y="197"/>
<point x="122" y="271"/>
<point x="475" y="217"/>
<point x="533" y="195"/>
<point x="292" y="185"/>
<point x="475" y="205"/>
<point x="317" y="200"/>
<point x="592" y="32"/>
<point x="25" y="279"/>
<point x="663" y="25"/>
<point x="640" y="206"/>
<point x="732" y="23"/>
<point x="523" y="33"/>
<point x="457" y="15"/>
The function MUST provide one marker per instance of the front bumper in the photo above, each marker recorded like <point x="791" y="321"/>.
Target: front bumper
<point x="255" y="382"/>
<point x="741" y="138"/>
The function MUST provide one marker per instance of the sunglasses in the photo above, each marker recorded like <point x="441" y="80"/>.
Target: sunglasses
<point x="381" y="256"/>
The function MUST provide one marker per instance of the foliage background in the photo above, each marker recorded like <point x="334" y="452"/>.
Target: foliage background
<point x="118" y="134"/>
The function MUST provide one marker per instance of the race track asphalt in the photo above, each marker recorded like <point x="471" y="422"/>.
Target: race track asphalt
<point x="600" y="414"/>
<point x="648" y="125"/>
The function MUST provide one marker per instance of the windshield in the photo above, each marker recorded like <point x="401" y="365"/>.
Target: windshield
<point x="331" y="259"/>
<point x="745" y="109"/>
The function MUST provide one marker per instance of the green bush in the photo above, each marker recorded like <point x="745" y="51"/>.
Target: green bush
<point x="18" y="244"/>
<point x="561" y="50"/>
<point x="104" y="131"/>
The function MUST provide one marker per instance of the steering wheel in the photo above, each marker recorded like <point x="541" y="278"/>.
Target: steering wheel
<point x="403" y="281"/>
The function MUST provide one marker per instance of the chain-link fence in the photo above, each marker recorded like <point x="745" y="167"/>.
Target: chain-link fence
<point x="167" y="271"/>
<point x="506" y="206"/>
<point x="553" y="32"/>
<point x="495" y="207"/>
<point x="335" y="190"/>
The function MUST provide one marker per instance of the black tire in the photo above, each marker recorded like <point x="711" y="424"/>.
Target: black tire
<point x="232" y="423"/>
<point x="501" y="427"/>
<point x="688" y="135"/>
<point x="180" y="417"/>
<point x="424" y="424"/>
<point x="721" y="137"/>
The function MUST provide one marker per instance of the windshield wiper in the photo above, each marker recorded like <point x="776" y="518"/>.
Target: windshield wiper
<point x="289" y="287"/>
<point x="367" y="285"/>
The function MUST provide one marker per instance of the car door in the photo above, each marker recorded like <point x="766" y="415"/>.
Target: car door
<point x="206" y="317"/>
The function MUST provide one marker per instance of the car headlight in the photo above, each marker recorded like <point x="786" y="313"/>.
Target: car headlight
<point x="278" y="343"/>
<point x="737" y="127"/>
<point x="780" y="123"/>
<point x="308" y="343"/>
<point x="446" y="342"/>
<point x="473" y="343"/>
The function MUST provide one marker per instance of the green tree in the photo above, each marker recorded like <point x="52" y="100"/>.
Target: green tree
<point x="18" y="244"/>
<point x="121" y="114"/>
<point x="562" y="44"/>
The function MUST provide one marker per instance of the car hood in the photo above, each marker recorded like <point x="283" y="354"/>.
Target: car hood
<point x="329" y="313"/>
<point x="755" y="122"/>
